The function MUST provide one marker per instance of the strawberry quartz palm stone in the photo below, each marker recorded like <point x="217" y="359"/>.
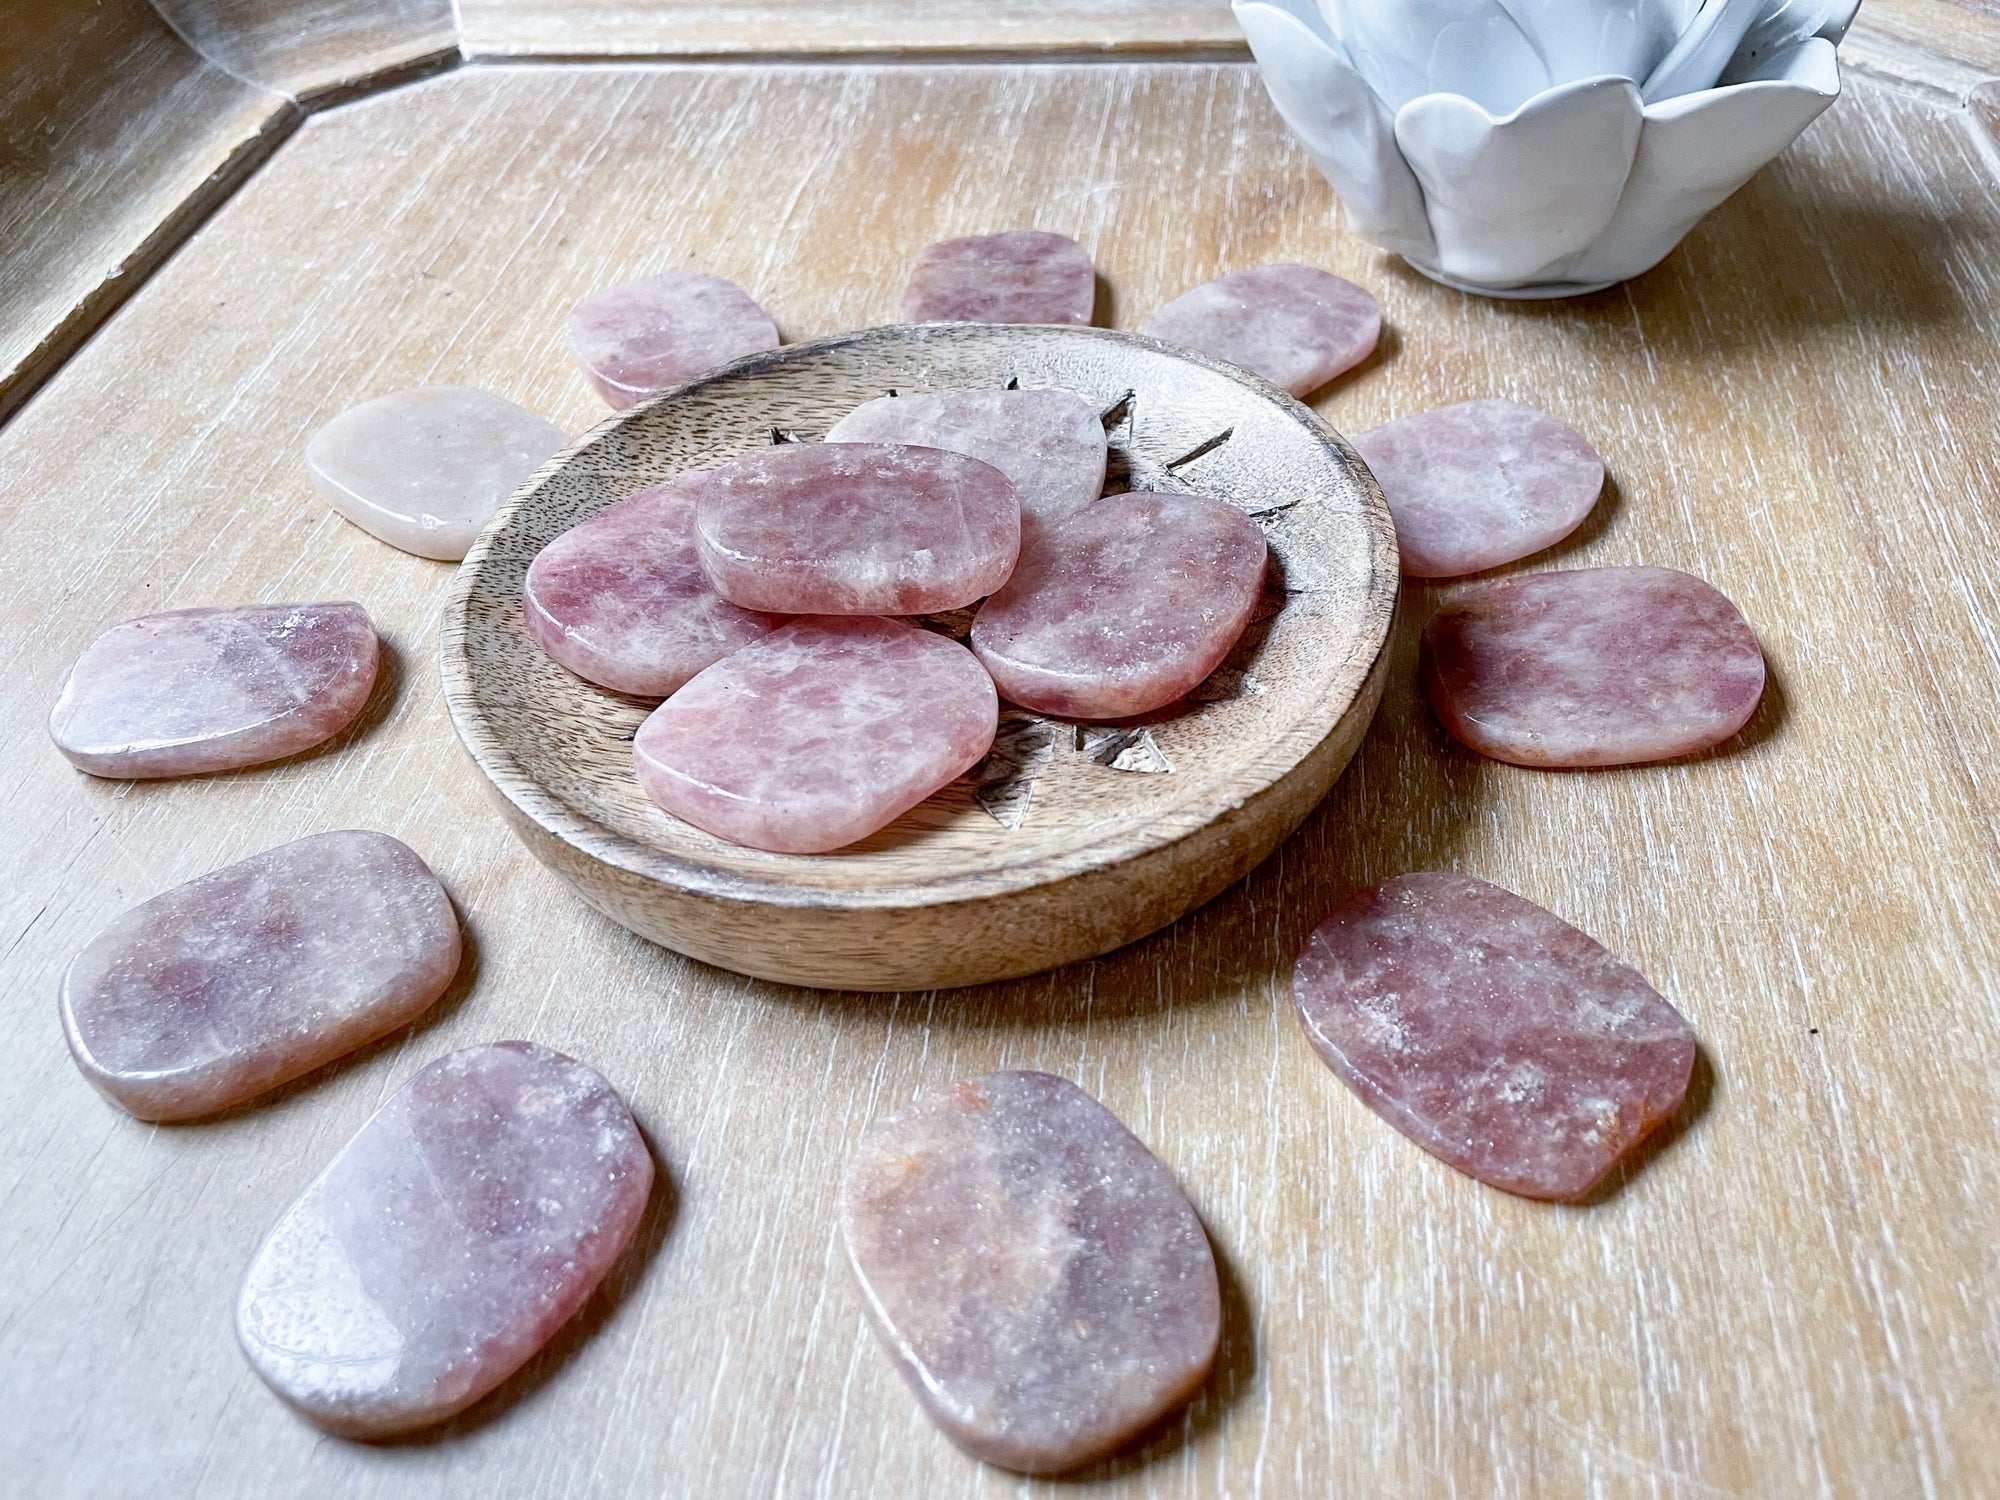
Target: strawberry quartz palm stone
<point x="1126" y="606"/>
<point x="1596" y="667"/>
<point x="197" y="690"/>
<point x="253" y="975"/>
<point x="1021" y="276"/>
<point x="649" y="335"/>
<point x="1035" y="1272"/>
<point x="855" y="529"/>
<point x="1491" y="1032"/>
<point x="458" y="1230"/>
<point x="818" y="734"/>
<point x="1050" y="444"/>
<point x="1479" y="484"/>
<point x="1296" y="326"/>
<point x="622" y="601"/>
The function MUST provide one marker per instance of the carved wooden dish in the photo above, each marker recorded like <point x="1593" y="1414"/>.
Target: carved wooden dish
<point x="1070" y="840"/>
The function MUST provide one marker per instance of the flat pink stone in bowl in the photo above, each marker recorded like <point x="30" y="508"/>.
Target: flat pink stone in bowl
<point x="1124" y="607"/>
<point x="451" y="1237"/>
<point x="1019" y="276"/>
<point x="198" y="690"/>
<point x="1296" y="326"/>
<point x="1491" y="1032"/>
<point x="1050" y="444"/>
<point x="1595" y="667"/>
<point x="229" y="985"/>
<point x="650" y="335"/>
<point x="1036" y="1273"/>
<point x="1479" y="484"/>
<point x="855" y="529"/>
<point x="622" y="600"/>
<point x="818" y="734"/>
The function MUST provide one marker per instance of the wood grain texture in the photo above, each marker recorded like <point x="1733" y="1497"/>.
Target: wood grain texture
<point x="311" y="51"/>
<point x="1793" y="1295"/>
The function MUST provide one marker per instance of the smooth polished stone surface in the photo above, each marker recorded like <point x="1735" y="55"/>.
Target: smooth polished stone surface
<point x="1125" y="607"/>
<point x="1019" y="276"/>
<point x="1036" y="1273"/>
<point x="855" y="529"/>
<point x="219" y="989"/>
<point x="622" y="600"/>
<point x="1491" y="1032"/>
<point x="1049" y="443"/>
<point x="650" y="335"/>
<point x="1479" y="484"/>
<point x="451" y="1237"/>
<point x="197" y="690"/>
<point x="1296" y="326"/>
<point x="1596" y="667"/>
<point x="425" y="469"/>
<point x="818" y="734"/>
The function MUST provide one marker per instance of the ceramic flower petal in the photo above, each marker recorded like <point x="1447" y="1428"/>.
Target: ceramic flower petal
<point x="1345" y="128"/>
<point x="1409" y="48"/>
<point x="1512" y="199"/>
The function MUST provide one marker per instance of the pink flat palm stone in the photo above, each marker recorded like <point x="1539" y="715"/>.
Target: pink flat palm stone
<point x="1296" y="326"/>
<point x="445" y="1244"/>
<point x="622" y="600"/>
<point x="1020" y="276"/>
<point x="818" y="734"/>
<point x="1491" y="1032"/>
<point x="254" y="975"/>
<point x="1124" y="607"/>
<point x="1596" y="667"/>
<point x="1479" y="484"/>
<point x="199" y="690"/>
<point x="1050" y="444"/>
<point x="650" y="335"/>
<point x="1036" y="1273"/>
<point x="855" y="529"/>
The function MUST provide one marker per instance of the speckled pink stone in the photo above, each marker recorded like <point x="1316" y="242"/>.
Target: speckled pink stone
<point x="197" y="690"/>
<point x="224" y="987"/>
<point x="818" y="734"/>
<point x="622" y="600"/>
<point x="1596" y="667"/>
<point x="1125" y="607"/>
<point x="1479" y="484"/>
<point x="855" y="529"/>
<point x="1296" y="326"/>
<point x="460" y="1228"/>
<point x="1050" y="444"/>
<point x="650" y="335"/>
<point x="1020" y="276"/>
<point x="1035" y="1272"/>
<point x="1491" y="1032"/>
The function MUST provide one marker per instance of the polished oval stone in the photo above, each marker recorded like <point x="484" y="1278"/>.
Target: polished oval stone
<point x="1596" y="667"/>
<point x="1491" y="1032"/>
<point x="451" y="1237"/>
<point x="1050" y="444"/>
<point x="1125" y="607"/>
<point x="622" y="600"/>
<point x="641" y="337"/>
<point x="1035" y="1272"/>
<point x="1296" y="326"/>
<point x="855" y="529"/>
<point x="1479" y="484"/>
<point x="243" y="979"/>
<point x="424" y="469"/>
<point x="818" y="734"/>
<point x="197" y="690"/>
<point x="1020" y="276"/>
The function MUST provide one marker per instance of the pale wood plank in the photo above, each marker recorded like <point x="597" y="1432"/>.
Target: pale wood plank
<point x="310" y="51"/>
<point x="1793" y="1297"/>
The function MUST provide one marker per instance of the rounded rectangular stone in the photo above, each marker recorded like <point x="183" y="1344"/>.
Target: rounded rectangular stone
<point x="1297" y="326"/>
<point x="1017" y="276"/>
<point x="649" y="335"/>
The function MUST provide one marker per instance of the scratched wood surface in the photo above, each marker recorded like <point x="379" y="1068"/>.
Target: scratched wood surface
<point x="1793" y="1294"/>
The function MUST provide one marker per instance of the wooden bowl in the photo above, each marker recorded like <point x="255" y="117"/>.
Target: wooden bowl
<point x="1072" y="839"/>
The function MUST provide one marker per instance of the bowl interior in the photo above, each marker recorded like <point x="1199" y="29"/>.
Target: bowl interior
<point x="1055" y="795"/>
